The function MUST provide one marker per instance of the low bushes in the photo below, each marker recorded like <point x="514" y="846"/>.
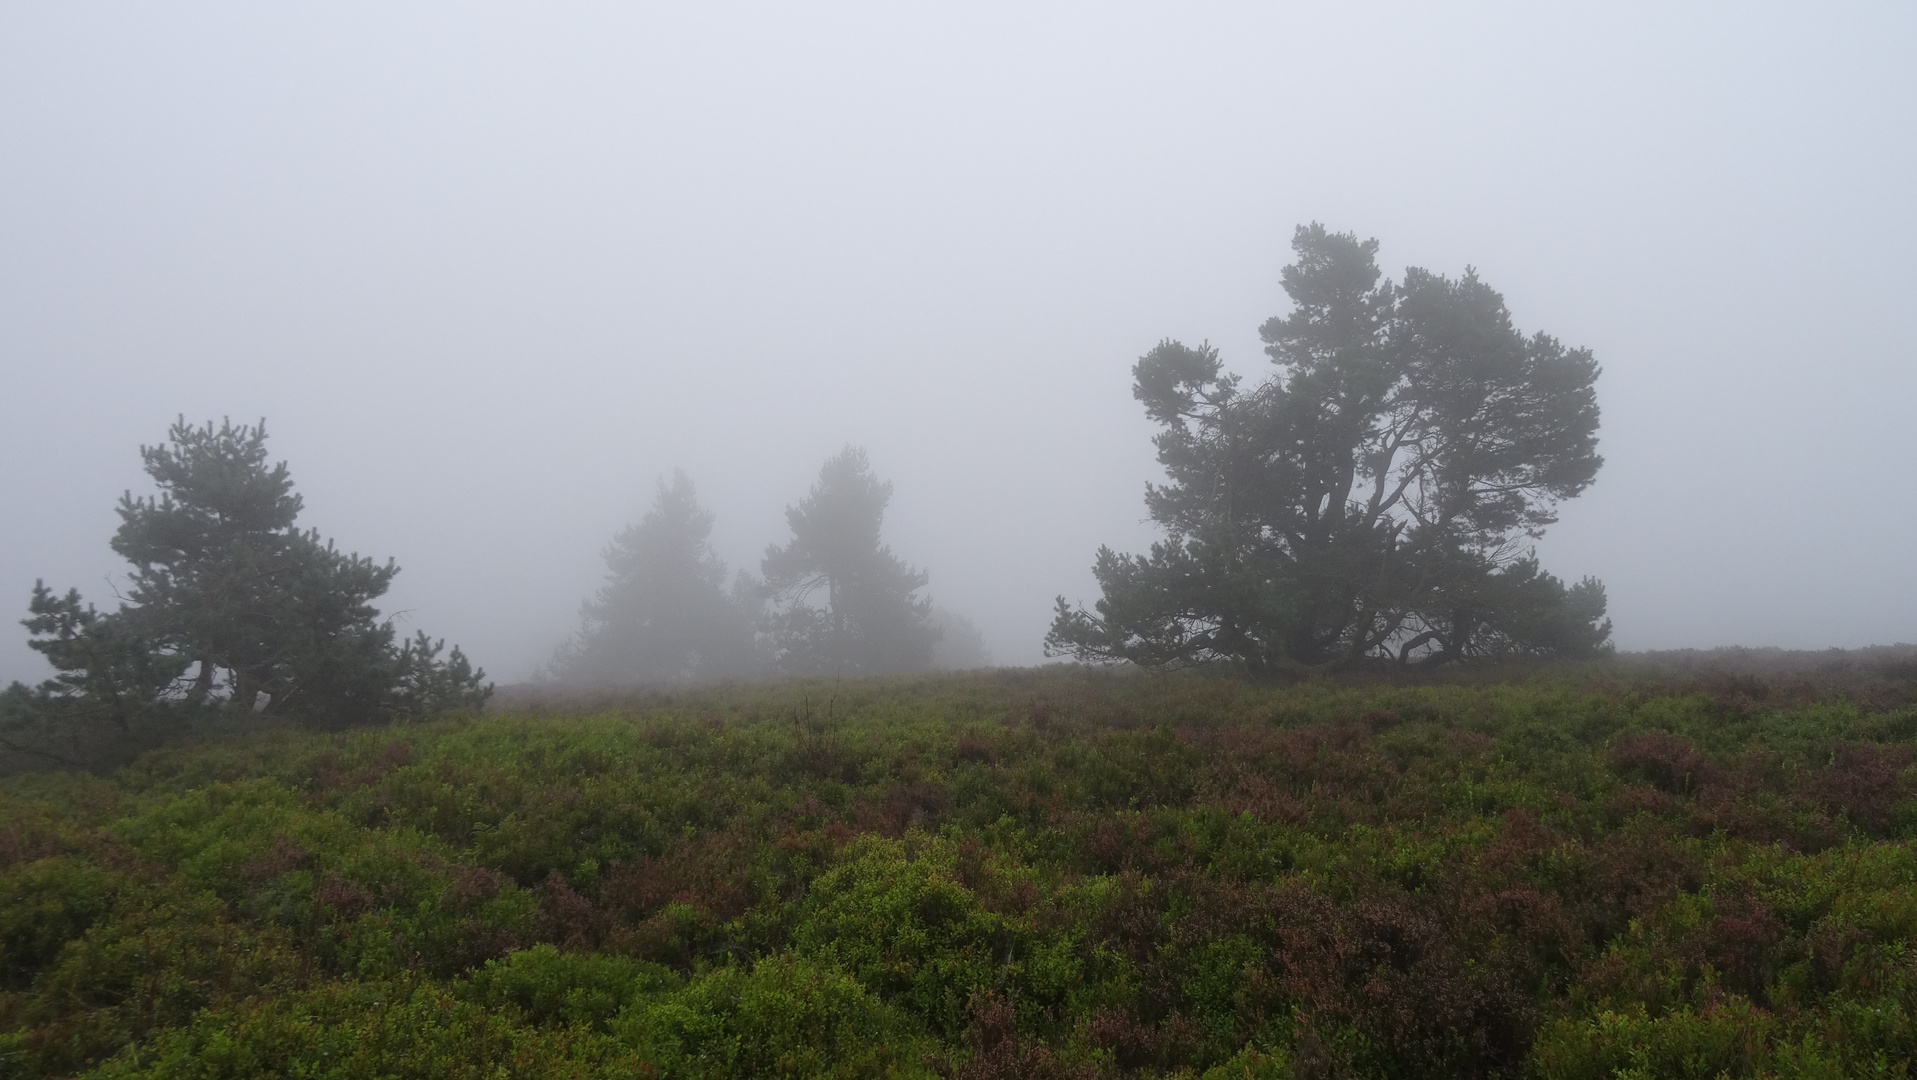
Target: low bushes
<point x="1046" y="874"/>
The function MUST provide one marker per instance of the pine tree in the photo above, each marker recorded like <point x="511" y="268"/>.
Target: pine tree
<point x="664" y="613"/>
<point x="1374" y="497"/>
<point x="231" y="606"/>
<point x="843" y="604"/>
<point x="226" y="585"/>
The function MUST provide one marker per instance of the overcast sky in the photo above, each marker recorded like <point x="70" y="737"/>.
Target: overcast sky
<point x="489" y="270"/>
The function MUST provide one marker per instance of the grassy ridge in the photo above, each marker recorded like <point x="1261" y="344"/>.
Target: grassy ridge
<point x="1588" y="873"/>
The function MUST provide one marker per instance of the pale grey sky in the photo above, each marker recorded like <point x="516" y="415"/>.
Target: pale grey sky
<point x="488" y="270"/>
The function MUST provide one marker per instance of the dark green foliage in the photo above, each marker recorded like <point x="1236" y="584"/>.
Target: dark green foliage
<point x="1058" y="873"/>
<point x="843" y="604"/>
<point x="369" y="1031"/>
<point x="48" y="903"/>
<point x="224" y="584"/>
<point x="149" y="954"/>
<point x="1370" y="499"/>
<point x="229" y="605"/>
<point x="566" y="988"/>
<point x="664" y="614"/>
<point x="908" y="929"/>
<point x="419" y="683"/>
<point x="109" y="699"/>
<point x="779" y="1017"/>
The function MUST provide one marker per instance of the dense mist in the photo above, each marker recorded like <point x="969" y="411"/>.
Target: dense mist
<point x="492" y="275"/>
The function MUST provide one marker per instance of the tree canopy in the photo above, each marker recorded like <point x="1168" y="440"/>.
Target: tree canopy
<point x="1375" y="496"/>
<point x="664" y="613"/>
<point x="960" y="645"/>
<point x="229" y="605"/>
<point x="842" y="603"/>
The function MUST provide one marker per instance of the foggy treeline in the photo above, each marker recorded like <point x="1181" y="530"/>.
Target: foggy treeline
<point x="233" y="609"/>
<point x="832" y="599"/>
<point x="1374" y="500"/>
<point x="942" y="234"/>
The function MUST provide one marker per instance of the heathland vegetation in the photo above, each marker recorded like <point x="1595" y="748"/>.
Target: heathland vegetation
<point x="1606" y="870"/>
<point x="1412" y="819"/>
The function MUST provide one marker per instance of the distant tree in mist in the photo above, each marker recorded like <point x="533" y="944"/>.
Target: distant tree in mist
<point x="1373" y="498"/>
<point x="230" y="606"/>
<point x="664" y="613"/>
<point x="960" y="646"/>
<point x="841" y="602"/>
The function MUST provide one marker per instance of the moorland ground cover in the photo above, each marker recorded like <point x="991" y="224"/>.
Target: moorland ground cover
<point x="1624" y="868"/>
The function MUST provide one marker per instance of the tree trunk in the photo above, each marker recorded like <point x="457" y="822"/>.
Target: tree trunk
<point x="203" y="682"/>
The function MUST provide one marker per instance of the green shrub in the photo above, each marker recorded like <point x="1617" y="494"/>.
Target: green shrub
<point x="565" y="988"/>
<point x="43" y="904"/>
<point x="1253" y="1064"/>
<point x="784" y="1016"/>
<point x="163" y="955"/>
<point x="403" y="1030"/>
<point x="900" y="923"/>
<point x="1729" y="1038"/>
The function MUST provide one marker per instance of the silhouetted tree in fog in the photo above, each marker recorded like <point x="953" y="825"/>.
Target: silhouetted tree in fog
<point x="1374" y="497"/>
<point x="664" y="614"/>
<point x="842" y="603"/>
<point x="229" y="605"/>
<point x="960" y="646"/>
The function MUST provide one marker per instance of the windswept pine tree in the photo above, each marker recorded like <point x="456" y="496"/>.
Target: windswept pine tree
<point x="230" y="605"/>
<point x="842" y="603"/>
<point x="664" y="613"/>
<point x="1374" y="497"/>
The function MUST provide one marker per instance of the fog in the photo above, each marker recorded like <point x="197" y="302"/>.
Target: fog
<point x="489" y="271"/>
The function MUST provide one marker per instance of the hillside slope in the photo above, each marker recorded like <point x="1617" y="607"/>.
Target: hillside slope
<point x="1676" y="870"/>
